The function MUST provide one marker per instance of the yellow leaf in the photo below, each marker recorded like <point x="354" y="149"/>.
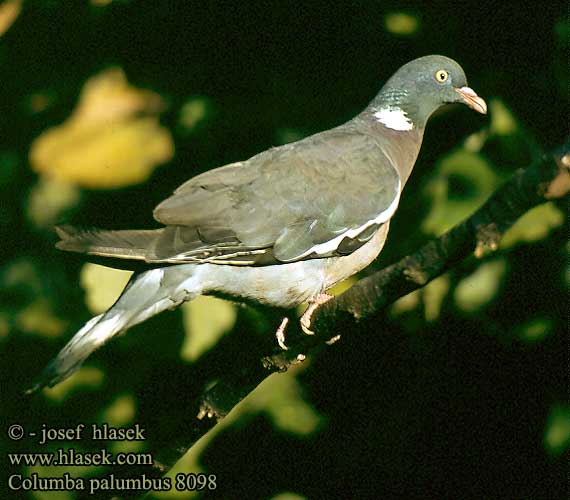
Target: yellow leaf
<point x="406" y="303"/>
<point x="48" y="199"/>
<point x="434" y="294"/>
<point x="121" y="412"/>
<point x="502" y="120"/>
<point x="108" y="98"/>
<point x="281" y="397"/>
<point x="105" y="143"/>
<point x="401" y="23"/>
<point x="102" y="286"/>
<point x="85" y="377"/>
<point x="9" y="12"/>
<point x="38" y="318"/>
<point x="206" y="320"/>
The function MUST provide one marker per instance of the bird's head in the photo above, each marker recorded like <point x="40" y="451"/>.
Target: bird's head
<point x="423" y="85"/>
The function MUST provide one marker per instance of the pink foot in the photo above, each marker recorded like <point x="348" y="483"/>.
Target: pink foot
<point x="280" y="334"/>
<point x="305" y="320"/>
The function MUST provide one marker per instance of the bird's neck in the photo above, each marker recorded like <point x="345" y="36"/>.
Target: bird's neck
<point x="393" y="121"/>
<point x="395" y="109"/>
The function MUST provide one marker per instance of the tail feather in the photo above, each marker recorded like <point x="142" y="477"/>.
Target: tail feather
<point x="125" y="244"/>
<point x="147" y="294"/>
<point x="93" y="334"/>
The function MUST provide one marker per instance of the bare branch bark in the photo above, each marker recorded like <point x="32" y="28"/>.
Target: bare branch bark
<point x="548" y="178"/>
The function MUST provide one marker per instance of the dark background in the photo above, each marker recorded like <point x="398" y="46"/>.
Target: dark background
<point x="459" y="405"/>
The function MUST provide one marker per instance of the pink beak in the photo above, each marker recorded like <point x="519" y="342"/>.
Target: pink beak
<point x="473" y="100"/>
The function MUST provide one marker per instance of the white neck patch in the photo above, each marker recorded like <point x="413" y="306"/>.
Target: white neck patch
<point x="394" y="118"/>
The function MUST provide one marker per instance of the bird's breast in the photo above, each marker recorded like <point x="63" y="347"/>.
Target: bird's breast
<point x="288" y="285"/>
<point x="340" y="268"/>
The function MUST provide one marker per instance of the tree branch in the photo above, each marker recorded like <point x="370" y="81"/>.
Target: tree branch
<point x="548" y="178"/>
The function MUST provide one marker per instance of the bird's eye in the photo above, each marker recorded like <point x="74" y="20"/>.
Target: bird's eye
<point x="441" y="75"/>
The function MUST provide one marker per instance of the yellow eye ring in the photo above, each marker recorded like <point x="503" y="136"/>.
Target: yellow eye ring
<point x="441" y="76"/>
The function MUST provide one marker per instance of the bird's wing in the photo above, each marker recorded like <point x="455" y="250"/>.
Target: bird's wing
<point x="322" y="196"/>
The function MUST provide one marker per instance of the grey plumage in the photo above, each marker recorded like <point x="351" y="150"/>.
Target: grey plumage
<point x="280" y="228"/>
<point x="253" y="213"/>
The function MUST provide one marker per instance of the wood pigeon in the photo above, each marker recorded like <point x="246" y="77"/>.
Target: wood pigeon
<point x="281" y="228"/>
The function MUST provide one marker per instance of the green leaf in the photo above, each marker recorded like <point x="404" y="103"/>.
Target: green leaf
<point x="463" y="181"/>
<point x="557" y="432"/>
<point x="480" y="288"/>
<point x="535" y="225"/>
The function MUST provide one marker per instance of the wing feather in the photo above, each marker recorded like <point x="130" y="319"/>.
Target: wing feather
<point x="307" y="199"/>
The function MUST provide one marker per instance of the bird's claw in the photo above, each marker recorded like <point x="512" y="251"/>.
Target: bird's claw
<point x="305" y="320"/>
<point x="280" y="333"/>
